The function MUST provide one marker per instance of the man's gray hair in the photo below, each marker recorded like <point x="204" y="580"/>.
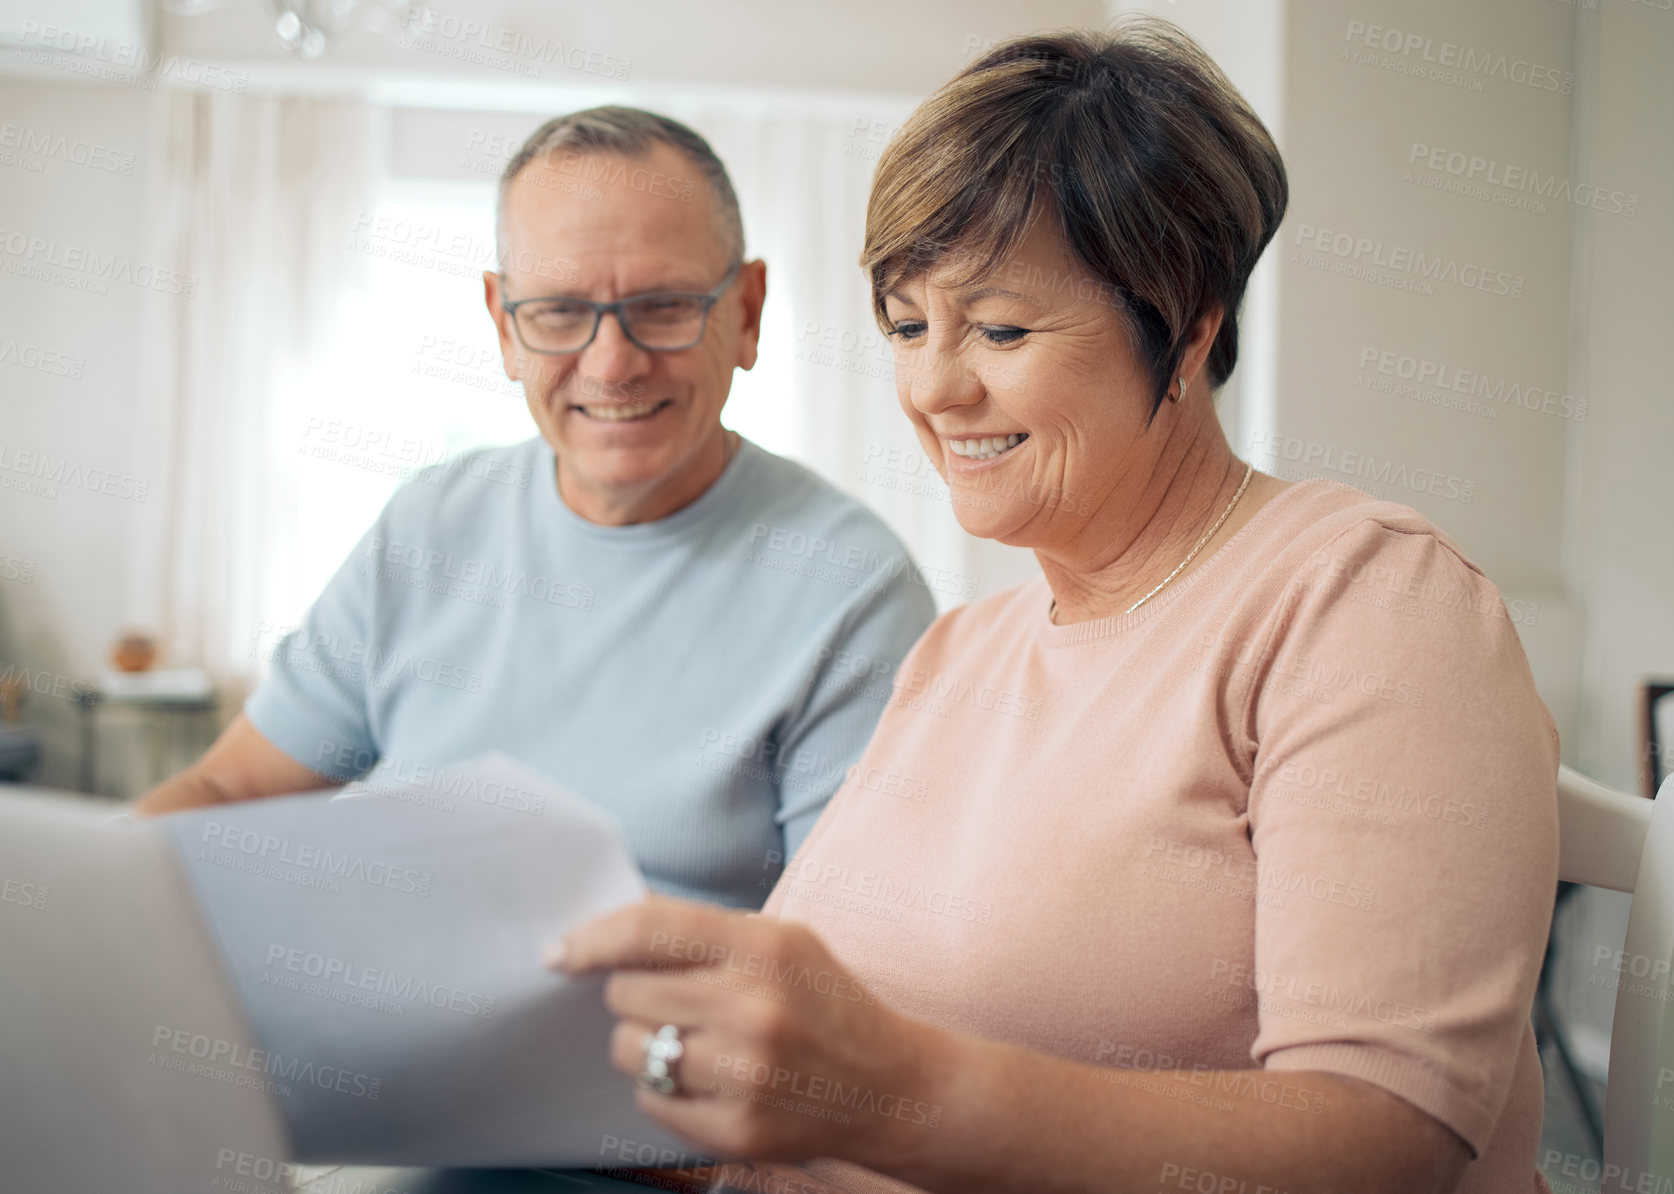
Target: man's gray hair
<point x="629" y="132"/>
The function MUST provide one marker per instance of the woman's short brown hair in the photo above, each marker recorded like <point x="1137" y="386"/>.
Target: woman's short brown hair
<point x="1167" y="185"/>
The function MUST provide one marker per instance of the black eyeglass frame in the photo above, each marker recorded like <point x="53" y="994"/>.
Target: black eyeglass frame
<point x="600" y="310"/>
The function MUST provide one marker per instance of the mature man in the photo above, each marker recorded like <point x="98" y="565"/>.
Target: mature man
<point x="638" y="603"/>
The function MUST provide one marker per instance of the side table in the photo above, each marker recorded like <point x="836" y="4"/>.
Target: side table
<point x="179" y="698"/>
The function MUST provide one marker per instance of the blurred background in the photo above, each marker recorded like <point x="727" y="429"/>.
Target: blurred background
<point x="240" y="301"/>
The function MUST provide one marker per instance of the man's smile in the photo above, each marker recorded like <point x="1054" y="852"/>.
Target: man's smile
<point x="622" y="412"/>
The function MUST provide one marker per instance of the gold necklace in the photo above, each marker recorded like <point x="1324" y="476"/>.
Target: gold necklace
<point x="1249" y="470"/>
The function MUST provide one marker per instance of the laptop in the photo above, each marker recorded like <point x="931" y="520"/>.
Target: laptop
<point x="127" y="1061"/>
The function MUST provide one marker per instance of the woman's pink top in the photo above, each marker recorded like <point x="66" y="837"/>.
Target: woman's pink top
<point x="1296" y="812"/>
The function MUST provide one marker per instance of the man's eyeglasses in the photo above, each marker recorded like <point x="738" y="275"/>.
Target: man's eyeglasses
<point x="665" y="321"/>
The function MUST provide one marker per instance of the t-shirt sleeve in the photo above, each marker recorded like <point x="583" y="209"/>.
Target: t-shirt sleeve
<point x="830" y="727"/>
<point x="1403" y="816"/>
<point x="313" y="704"/>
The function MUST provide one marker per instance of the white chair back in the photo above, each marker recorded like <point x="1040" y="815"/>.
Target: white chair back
<point x="1610" y="839"/>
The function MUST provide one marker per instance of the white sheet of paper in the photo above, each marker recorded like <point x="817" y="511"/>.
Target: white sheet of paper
<point x="385" y="945"/>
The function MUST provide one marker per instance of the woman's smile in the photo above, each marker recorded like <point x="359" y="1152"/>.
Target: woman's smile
<point x="967" y="454"/>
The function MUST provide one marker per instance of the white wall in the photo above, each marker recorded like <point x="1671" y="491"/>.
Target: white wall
<point x="1621" y="540"/>
<point x="1619" y="549"/>
<point x="1350" y="137"/>
<point x="63" y="551"/>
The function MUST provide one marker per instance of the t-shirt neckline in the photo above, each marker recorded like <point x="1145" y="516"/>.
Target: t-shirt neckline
<point x="708" y="505"/>
<point x="1052" y="634"/>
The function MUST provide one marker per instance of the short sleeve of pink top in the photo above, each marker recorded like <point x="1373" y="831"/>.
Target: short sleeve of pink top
<point x="1296" y="813"/>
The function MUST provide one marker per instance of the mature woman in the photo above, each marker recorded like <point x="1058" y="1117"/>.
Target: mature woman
<point x="1218" y="857"/>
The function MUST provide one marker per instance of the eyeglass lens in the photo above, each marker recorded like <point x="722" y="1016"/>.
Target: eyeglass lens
<point x="656" y="321"/>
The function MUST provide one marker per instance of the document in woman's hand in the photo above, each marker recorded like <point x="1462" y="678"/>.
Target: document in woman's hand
<point x="385" y="946"/>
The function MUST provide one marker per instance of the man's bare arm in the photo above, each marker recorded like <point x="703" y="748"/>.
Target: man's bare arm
<point x="241" y="765"/>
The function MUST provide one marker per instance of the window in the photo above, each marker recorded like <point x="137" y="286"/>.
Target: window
<point x="412" y="377"/>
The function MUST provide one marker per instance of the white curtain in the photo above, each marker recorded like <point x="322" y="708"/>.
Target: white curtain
<point x="253" y="199"/>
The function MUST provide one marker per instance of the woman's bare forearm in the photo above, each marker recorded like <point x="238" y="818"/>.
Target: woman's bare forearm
<point x="1016" y="1120"/>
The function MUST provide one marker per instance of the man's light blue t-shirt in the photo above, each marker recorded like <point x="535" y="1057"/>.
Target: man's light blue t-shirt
<point x="708" y="677"/>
